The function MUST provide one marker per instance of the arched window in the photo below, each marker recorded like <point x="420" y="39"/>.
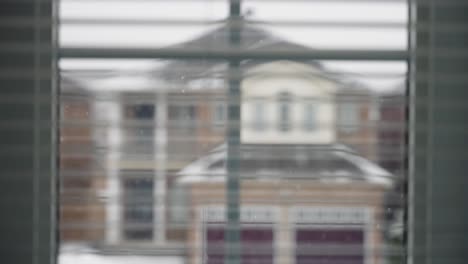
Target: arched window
<point x="284" y="112"/>
<point x="310" y="115"/>
<point x="259" y="122"/>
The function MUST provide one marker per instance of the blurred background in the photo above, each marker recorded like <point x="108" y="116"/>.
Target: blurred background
<point x="197" y="155"/>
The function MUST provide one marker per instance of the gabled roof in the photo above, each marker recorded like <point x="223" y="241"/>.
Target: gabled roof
<point x="252" y="38"/>
<point x="182" y="73"/>
<point x="328" y="163"/>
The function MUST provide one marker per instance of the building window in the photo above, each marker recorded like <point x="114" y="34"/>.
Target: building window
<point x="284" y="112"/>
<point x="183" y="115"/>
<point x="138" y="208"/>
<point x="219" y="114"/>
<point x="140" y="129"/>
<point x="310" y="116"/>
<point x="143" y="111"/>
<point x="348" y="119"/>
<point x="181" y="112"/>
<point x="258" y="122"/>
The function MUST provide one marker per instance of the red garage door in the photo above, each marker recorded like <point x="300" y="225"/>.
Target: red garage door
<point x="256" y="243"/>
<point x="329" y="246"/>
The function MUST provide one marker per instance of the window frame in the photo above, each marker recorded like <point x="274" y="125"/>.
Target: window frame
<point x="424" y="134"/>
<point x="285" y="106"/>
<point x="311" y="107"/>
<point x="219" y="114"/>
<point x="127" y="196"/>
<point x="141" y="135"/>
<point x="259" y="122"/>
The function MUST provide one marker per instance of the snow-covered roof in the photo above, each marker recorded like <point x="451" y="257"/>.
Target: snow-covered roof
<point x="396" y="90"/>
<point x="198" y="75"/>
<point x="326" y="163"/>
<point x="253" y="38"/>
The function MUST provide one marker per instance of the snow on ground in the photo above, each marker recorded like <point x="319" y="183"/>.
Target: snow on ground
<point x="91" y="258"/>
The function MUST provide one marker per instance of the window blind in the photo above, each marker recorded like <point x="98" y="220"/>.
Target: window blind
<point x="27" y="131"/>
<point x="220" y="190"/>
<point x="436" y="219"/>
<point x="438" y="122"/>
<point x="162" y="194"/>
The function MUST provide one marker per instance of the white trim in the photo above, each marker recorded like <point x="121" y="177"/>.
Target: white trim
<point x="249" y="214"/>
<point x="329" y="215"/>
<point x="160" y="159"/>
<point x="111" y="112"/>
<point x="369" y="212"/>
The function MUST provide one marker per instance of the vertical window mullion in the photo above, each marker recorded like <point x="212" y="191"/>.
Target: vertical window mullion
<point x="232" y="237"/>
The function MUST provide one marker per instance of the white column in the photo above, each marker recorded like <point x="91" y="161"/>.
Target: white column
<point x="160" y="143"/>
<point x="285" y="240"/>
<point x="108" y="116"/>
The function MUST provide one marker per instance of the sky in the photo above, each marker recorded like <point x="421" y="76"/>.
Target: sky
<point x="319" y="24"/>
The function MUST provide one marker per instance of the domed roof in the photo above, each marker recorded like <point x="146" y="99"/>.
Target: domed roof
<point x="328" y="163"/>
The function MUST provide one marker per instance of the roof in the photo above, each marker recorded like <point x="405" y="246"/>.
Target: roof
<point x="398" y="90"/>
<point x="252" y="38"/>
<point x="202" y="74"/>
<point x="70" y="85"/>
<point x="327" y="163"/>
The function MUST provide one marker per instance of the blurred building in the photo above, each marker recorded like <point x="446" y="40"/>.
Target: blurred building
<point x="355" y="109"/>
<point x="147" y="127"/>
<point x="162" y="133"/>
<point x="303" y="196"/>
<point x="298" y="203"/>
